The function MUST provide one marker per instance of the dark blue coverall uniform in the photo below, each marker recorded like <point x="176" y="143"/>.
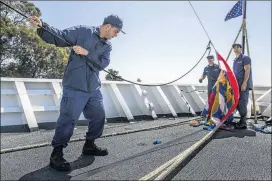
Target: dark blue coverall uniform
<point x="81" y="83"/>
<point x="212" y="73"/>
<point x="239" y="71"/>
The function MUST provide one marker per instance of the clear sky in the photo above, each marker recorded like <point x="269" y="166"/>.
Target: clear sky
<point x="164" y="39"/>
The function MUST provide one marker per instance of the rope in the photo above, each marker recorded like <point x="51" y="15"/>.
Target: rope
<point x="207" y="36"/>
<point x="200" y="21"/>
<point x="205" y="31"/>
<point x="235" y="40"/>
<point x="95" y="64"/>
<point x="202" y="25"/>
<point x="253" y="94"/>
<point x="192" y="91"/>
<point x="27" y="147"/>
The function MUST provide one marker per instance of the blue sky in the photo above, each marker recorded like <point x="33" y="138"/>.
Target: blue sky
<point x="164" y="39"/>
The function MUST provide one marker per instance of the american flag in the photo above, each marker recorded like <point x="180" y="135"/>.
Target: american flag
<point x="235" y="11"/>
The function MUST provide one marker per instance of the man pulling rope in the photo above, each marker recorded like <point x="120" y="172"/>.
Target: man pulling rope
<point x="81" y="83"/>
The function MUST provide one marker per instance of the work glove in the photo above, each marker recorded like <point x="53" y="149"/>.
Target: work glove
<point x="200" y="80"/>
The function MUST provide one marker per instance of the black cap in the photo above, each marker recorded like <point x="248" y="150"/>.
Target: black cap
<point x="236" y="44"/>
<point x="210" y="57"/>
<point x="115" y="21"/>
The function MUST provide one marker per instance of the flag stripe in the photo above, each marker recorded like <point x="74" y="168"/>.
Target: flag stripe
<point x="224" y="97"/>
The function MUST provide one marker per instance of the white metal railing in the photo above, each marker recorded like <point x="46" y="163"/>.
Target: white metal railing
<point x="264" y="103"/>
<point x="35" y="102"/>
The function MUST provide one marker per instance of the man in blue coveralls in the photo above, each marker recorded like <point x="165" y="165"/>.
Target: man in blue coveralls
<point x="242" y="71"/>
<point x="81" y="83"/>
<point x="212" y="71"/>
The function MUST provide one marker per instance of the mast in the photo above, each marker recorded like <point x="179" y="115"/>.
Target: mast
<point x="244" y="27"/>
<point x="244" y="37"/>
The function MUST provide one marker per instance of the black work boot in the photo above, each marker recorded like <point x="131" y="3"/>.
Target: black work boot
<point x="57" y="161"/>
<point x="241" y="124"/>
<point x="90" y="148"/>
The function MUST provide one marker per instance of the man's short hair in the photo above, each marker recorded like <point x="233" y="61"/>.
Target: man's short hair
<point x="210" y="57"/>
<point x="237" y="44"/>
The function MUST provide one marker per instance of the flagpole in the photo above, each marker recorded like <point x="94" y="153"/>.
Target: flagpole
<point x="244" y="34"/>
<point x="244" y="27"/>
<point x="235" y="41"/>
<point x="253" y="95"/>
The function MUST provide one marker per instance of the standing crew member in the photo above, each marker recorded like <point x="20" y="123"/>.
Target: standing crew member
<point x="212" y="71"/>
<point x="242" y="71"/>
<point x="81" y="83"/>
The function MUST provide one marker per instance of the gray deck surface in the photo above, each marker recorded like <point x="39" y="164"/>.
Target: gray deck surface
<point x="238" y="155"/>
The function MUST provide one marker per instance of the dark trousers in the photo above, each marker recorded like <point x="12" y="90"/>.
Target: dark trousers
<point x="243" y="101"/>
<point x="73" y="103"/>
<point x="210" y="86"/>
<point x="209" y="92"/>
